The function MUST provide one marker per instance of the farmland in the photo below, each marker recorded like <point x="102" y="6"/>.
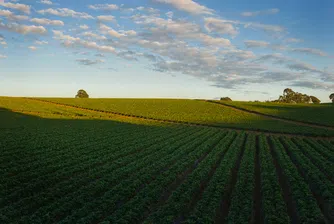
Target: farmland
<point x="147" y="161"/>
<point x="312" y="113"/>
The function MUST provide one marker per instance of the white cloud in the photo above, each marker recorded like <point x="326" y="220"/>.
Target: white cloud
<point x="94" y="35"/>
<point x="293" y="40"/>
<point x="219" y="26"/>
<point x="106" y="18"/>
<point x="20" y="7"/>
<point x="130" y="33"/>
<point x="46" y="2"/>
<point x="114" y="33"/>
<point x="33" y="48"/>
<point x="2" y="56"/>
<point x="188" y="6"/>
<point x="310" y="51"/>
<point x="255" y="43"/>
<point x="264" y="12"/>
<point x="38" y="42"/>
<point x="104" y="7"/>
<point x="181" y="29"/>
<point x="69" y="41"/>
<point x="265" y="27"/>
<point x="89" y="62"/>
<point x="44" y="21"/>
<point x="170" y="14"/>
<point x="3" y="43"/>
<point x="11" y="16"/>
<point x="23" y="29"/>
<point x="84" y="27"/>
<point x="65" y="12"/>
<point x="60" y="35"/>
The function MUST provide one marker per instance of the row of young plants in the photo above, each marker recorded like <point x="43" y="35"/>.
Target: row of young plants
<point x="325" y="166"/>
<point x="327" y="144"/>
<point x="129" y="188"/>
<point x="182" y="197"/>
<point x="323" y="148"/>
<point x="105" y="157"/>
<point x="107" y="191"/>
<point x="274" y="209"/>
<point x="50" y="155"/>
<point x="70" y="160"/>
<point x="317" y="181"/>
<point x="116" y="160"/>
<point x="209" y="205"/>
<point x="146" y="200"/>
<point x="241" y="207"/>
<point x="306" y="205"/>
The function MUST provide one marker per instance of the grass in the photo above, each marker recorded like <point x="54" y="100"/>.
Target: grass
<point x="192" y="111"/>
<point x="313" y="113"/>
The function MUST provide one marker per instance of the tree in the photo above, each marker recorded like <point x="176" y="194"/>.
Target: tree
<point x="226" y="99"/>
<point x="82" y="94"/>
<point x="315" y="100"/>
<point x="332" y="97"/>
<point x="289" y="96"/>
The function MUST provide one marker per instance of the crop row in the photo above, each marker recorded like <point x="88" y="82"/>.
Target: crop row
<point x="209" y="204"/>
<point x="47" y="154"/>
<point x="323" y="148"/>
<point x="103" y="190"/>
<point x="136" y="209"/>
<point x="316" y="180"/>
<point x="317" y="159"/>
<point x="306" y="205"/>
<point x="242" y="195"/>
<point x="118" y="157"/>
<point x="274" y="209"/>
<point x="74" y="161"/>
<point x="182" y="197"/>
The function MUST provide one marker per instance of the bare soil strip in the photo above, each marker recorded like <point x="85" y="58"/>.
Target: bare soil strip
<point x="192" y="123"/>
<point x="257" y="197"/>
<point x="304" y="123"/>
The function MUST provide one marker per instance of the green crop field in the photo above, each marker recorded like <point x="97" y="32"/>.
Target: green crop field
<point x="193" y="111"/>
<point x="161" y="161"/>
<point x="313" y="113"/>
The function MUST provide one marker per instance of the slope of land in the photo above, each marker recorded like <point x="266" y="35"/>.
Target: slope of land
<point x="63" y="164"/>
<point x="192" y="111"/>
<point x="309" y="113"/>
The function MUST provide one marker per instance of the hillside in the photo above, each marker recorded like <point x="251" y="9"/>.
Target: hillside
<point x="191" y="111"/>
<point x="312" y="113"/>
<point x="64" y="164"/>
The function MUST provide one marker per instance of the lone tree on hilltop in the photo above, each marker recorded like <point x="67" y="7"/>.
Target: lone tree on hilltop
<point x="82" y="94"/>
<point x="332" y="97"/>
<point x="225" y="99"/>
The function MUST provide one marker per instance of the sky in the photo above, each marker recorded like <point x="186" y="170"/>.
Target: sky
<point x="246" y="50"/>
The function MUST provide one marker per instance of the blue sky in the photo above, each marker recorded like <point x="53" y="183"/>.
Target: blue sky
<point x="247" y="50"/>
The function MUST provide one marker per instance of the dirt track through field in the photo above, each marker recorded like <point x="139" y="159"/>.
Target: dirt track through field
<point x="290" y="135"/>
<point x="308" y="124"/>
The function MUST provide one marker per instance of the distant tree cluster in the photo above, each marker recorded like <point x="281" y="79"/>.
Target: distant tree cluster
<point x="290" y="96"/>
<point x="225" y="99"/>
<point x="82" y="94"/>
<point x="332" y="97"/>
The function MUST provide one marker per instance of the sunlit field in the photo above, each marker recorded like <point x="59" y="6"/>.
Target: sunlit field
<point x="161" y="161"/>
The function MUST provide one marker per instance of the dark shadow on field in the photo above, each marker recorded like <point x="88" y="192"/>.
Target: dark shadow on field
<point x="15" y="120"/>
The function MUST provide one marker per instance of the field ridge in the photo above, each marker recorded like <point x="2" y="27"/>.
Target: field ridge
<point x="257" y="131"/>
<point x="304" y="123"/>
